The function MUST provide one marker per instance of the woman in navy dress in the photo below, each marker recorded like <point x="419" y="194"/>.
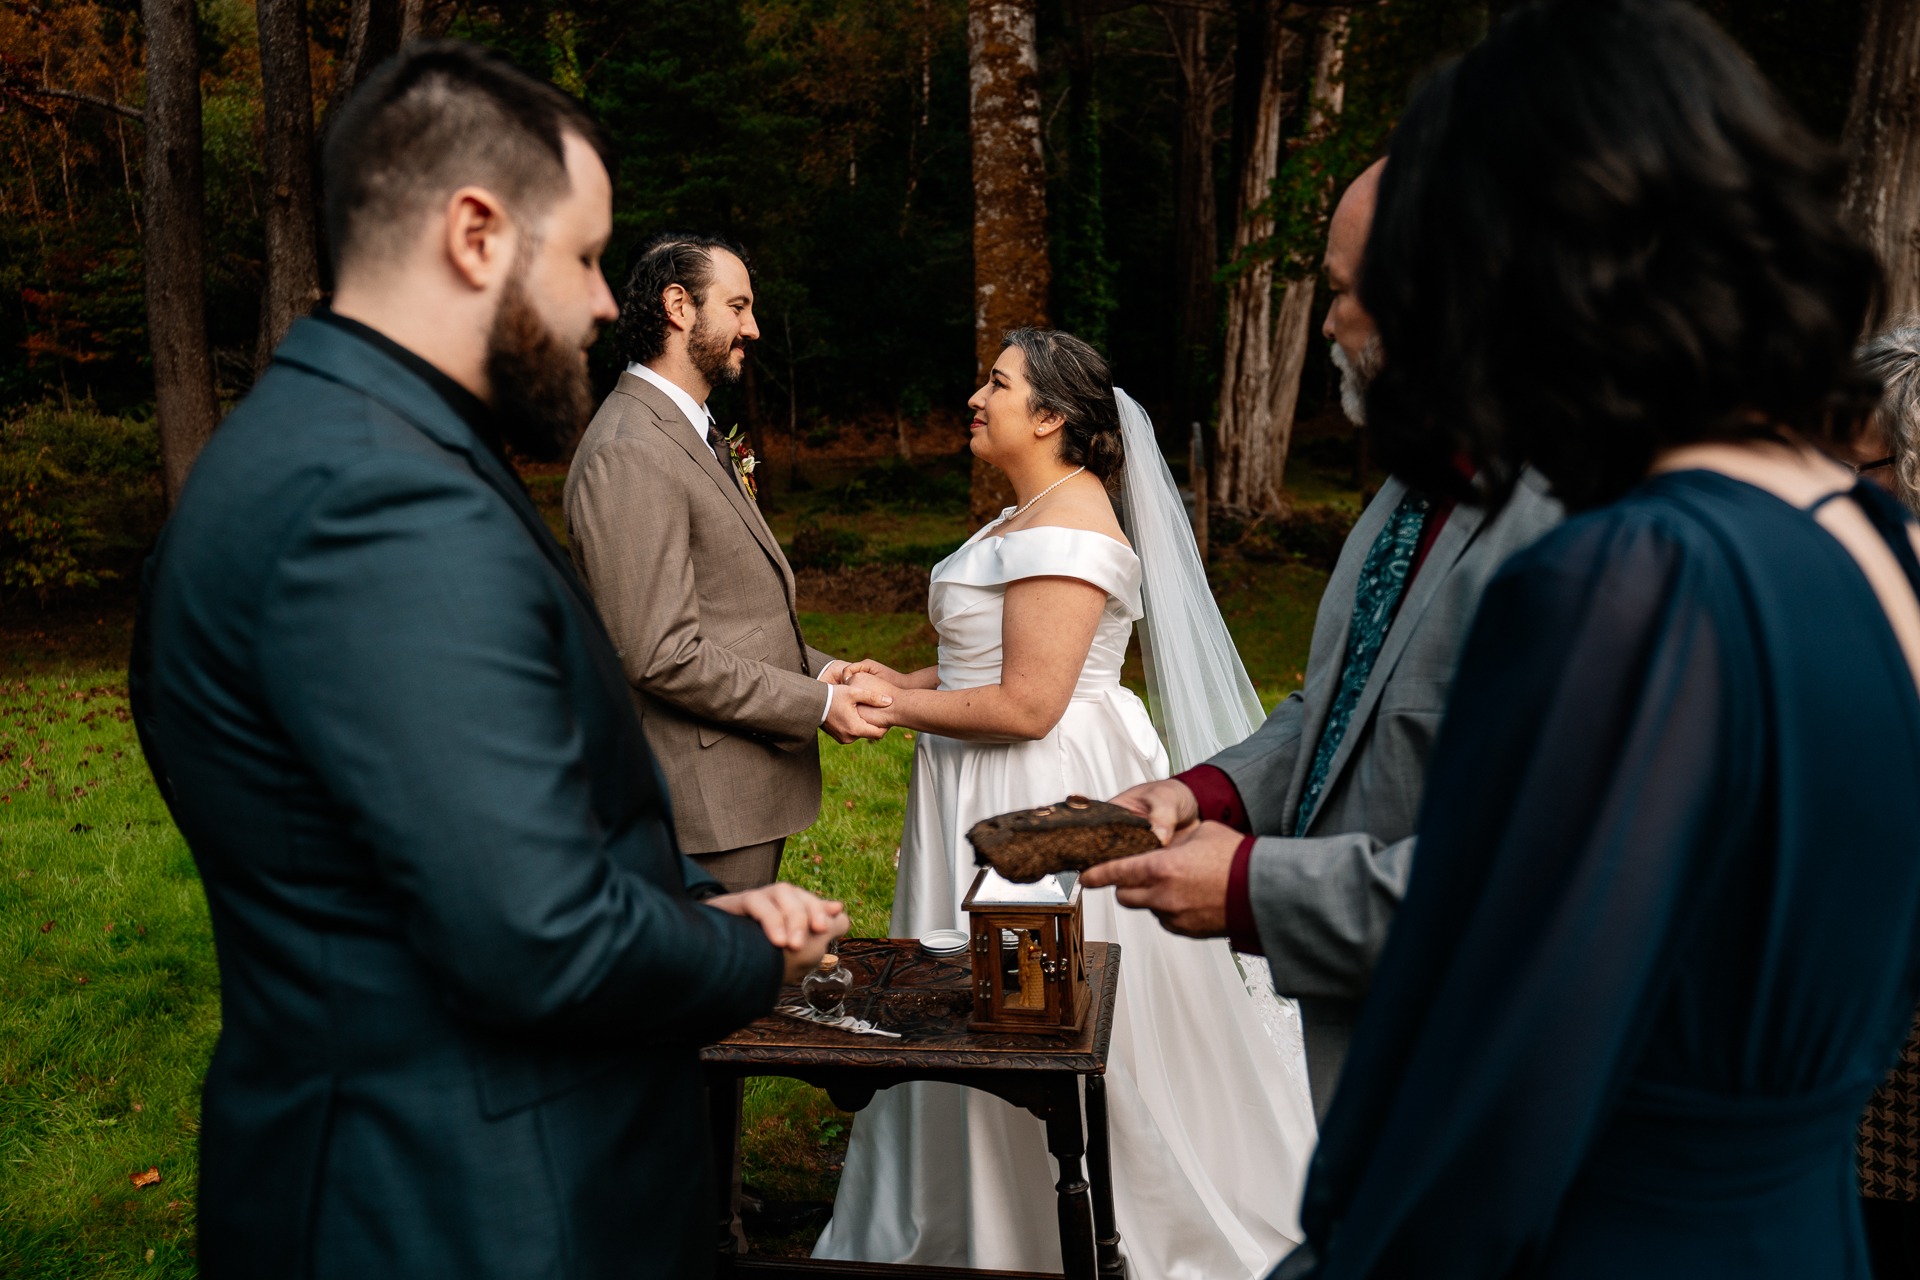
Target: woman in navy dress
<point x="1659" y="944"/>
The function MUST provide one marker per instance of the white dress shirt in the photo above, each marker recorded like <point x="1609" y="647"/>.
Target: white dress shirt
<point x="702" y="419"/>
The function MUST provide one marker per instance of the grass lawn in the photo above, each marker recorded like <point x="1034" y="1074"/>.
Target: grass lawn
<point x="109" y="998"/>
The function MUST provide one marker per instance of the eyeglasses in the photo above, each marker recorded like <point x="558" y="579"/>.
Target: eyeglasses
<point x="1873" y="466"/>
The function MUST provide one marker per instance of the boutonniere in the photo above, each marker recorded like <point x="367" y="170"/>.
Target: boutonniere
<point x="743" y="460"/>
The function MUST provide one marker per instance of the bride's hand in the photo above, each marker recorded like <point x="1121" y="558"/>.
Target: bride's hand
<point x="879" y="712"/>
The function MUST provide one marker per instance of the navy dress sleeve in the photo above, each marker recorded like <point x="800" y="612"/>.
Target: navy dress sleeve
<point x="1591" y="755"/>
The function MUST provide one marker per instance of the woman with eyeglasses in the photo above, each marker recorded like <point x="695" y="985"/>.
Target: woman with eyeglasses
<point x="1888" y="450"/>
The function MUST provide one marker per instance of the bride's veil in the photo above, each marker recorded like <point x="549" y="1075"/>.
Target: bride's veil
<point x="1197" y="689"/>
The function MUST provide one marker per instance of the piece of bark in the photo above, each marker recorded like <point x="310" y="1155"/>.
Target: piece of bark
<point x="1073" y="835"/>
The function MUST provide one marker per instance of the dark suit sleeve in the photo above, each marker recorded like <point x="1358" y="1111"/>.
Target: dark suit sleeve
<point x="1574" y="796"/>
<point x="413" y="645"/>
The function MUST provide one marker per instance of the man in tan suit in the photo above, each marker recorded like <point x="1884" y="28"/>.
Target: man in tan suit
<point x="690" y="581"/>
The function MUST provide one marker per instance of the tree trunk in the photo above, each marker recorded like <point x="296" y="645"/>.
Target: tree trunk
<point x="375" y="33"/>
<point x="1202" y="87"/>
<point x="185" y="407"/>
<point x="1882" y="142"/>
<point x="1246" y="474"/>
<point x="1293" y="325"/>
<point x="1267" y="340"/>
<point x="1010" y="272"/>
<point x="293" y="260"/>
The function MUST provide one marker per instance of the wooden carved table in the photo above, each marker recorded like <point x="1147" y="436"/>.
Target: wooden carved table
<point x="928" y="1001"/>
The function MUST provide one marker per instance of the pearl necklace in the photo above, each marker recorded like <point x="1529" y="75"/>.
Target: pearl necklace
<point x="1043" y="493"/>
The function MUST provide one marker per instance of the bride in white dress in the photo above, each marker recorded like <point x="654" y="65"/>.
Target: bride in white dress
<point x="1206" y="1081"/>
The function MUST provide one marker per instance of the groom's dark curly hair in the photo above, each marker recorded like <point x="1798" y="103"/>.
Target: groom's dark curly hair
<point x="669" y="258"/>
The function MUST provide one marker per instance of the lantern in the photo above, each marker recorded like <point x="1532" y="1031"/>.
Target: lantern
<point x="1029" y="954"/>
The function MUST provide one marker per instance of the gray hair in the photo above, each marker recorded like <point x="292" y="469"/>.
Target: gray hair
<point x="1893" y="357"/>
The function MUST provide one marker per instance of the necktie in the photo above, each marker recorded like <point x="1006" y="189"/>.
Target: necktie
<point x="1383" y="580"/>
<point x="726" y="463"/>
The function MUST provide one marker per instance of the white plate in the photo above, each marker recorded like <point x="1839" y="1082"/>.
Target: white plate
<point x="943" y="942"/>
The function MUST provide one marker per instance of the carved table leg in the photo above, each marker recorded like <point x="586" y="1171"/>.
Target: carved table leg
<point x="1065" y="1141"/>
<point x="723" y="1131"/>
<point x="1106" y="1232"/>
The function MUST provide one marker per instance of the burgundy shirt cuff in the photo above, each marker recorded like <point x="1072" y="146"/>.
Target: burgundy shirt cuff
<point x="1218" y="798"/>
<point x="1243" y="933"/>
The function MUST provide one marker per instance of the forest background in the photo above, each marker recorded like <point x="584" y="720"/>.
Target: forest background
<point x="830" y="137"/>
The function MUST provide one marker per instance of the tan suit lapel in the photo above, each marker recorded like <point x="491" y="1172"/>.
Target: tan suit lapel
<point x="673" y="423"/>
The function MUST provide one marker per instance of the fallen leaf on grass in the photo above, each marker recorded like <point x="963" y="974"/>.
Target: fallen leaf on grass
<point x="147" y="1179"/>
<point x="47" y="927"/>
<point x="849" y="804"/>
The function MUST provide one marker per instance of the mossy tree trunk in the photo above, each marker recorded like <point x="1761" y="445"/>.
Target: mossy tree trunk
<point x="1010" y="270"/>
<point x="1247" y="471"/>
<point x="1268" y="336"/>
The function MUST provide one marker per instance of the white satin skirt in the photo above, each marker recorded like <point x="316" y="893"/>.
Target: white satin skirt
<point x="1210" y="1118"/>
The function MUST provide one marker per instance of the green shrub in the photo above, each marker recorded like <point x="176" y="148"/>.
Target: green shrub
<point x="80" y="500"/>
<point x="817" y="546"/>
<point x="900" y="485"/>
<point x="1312" y="535"/>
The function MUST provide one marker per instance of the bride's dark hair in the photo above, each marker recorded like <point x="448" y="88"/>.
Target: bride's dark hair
<point x="1069" y="378"/>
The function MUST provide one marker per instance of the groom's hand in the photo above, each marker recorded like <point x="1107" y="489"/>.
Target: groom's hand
<point x="868" y="667"/>
<point x="844" y="720"/>
<point x="1184" y="884"/>
<point x="796" y="921"/>
<point x="1168" y="804"/>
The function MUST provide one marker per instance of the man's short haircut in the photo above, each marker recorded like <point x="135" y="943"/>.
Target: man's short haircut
<point x="438" y="116"/>
<point x="669" y="258"/>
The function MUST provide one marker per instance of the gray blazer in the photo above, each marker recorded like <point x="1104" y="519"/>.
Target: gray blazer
<point x="1323" y="902"/>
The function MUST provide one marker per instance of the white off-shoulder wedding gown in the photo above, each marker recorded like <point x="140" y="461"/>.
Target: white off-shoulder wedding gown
<point x="1210" y="1117"/>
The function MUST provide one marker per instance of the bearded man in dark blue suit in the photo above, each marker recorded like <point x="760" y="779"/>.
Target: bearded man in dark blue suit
<point x="464" y="967"/>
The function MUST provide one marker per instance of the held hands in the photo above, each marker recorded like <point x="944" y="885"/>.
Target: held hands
<point x="794" y="920"/>
<point x="878" y="713"/>
<point x="849" y="718"/>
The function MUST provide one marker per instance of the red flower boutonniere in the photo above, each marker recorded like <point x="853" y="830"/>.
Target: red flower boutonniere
<point x="743" y="460"/>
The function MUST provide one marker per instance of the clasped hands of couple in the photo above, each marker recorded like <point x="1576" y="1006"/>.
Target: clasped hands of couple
<point x="1184" y="883"/>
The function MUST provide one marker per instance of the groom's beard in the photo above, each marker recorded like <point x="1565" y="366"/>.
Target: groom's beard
<point x="1355" y="378"/>
<point x="541" y="395"/>
<point x="712" y="354"/>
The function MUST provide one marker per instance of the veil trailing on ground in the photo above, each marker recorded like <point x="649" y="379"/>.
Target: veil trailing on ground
<point x="1197" y="689"/>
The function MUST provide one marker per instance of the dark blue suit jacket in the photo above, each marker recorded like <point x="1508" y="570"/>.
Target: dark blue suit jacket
<point x="462" y="976"/>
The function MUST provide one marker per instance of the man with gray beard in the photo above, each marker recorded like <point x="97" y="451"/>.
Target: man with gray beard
<point x="1297" y="843"/>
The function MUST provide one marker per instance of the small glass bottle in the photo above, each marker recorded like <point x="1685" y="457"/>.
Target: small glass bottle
<point x="825" y="989"/>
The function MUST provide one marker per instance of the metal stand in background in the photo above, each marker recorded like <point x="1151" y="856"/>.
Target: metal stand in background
<point x="1197" y="477"/>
